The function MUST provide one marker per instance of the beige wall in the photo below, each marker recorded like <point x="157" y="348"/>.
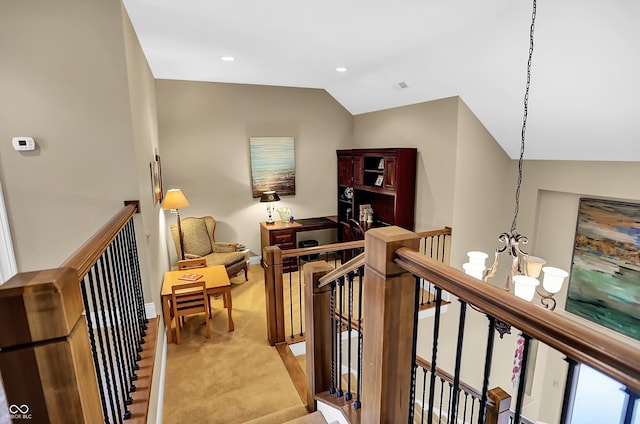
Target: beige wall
<point x="73" y="76"/>
<point x="204" y="138"/>
<point x="550" y="200"/>
<point x="63" y="81"/>
<point x="431" y="127"/>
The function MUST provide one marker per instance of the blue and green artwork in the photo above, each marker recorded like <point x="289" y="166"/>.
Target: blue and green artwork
<point x="273" y="165"/>
<point x="604" y="286"/>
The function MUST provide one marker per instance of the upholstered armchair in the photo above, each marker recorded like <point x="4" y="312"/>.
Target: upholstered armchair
<point x="199" y="241"/>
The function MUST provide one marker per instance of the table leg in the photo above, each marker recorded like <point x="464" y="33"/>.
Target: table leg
<point x="167" y="318"/>
<point x="227" y="295"/>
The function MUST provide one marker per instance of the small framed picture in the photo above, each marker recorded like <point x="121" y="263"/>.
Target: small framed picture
<point x="381" y="163"/>
<point x="379" y="181"/>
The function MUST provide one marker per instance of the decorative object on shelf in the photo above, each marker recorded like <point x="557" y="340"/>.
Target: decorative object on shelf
<point x="525" y="269"/>
<point x="269" y="197"/>
<point x="381" y="164"/>
<point x="175" y="199"/>
<point x="364" y="212"/>
<point x="379" y="181"/>
<point x="348" y="193"/>
<point x="285" y="214"/>
<point x="273" y="165"/>
<point x="604" y="286"/>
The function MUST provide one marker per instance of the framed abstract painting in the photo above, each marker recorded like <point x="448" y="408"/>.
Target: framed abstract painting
<point x="273" y="165"/>
<point x="604" y="285"/>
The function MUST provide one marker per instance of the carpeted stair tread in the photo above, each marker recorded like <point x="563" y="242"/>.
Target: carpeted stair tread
<point x="313" y="418"/>
<point x="282" y="416"/>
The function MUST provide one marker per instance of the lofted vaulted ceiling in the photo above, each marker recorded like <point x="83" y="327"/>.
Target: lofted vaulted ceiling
<point x="585" y="77"/>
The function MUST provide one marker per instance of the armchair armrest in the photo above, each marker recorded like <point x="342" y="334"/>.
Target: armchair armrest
<point x="222" y="247"/>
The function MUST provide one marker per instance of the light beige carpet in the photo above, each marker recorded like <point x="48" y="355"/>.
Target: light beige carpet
<point x="233" y="377"/>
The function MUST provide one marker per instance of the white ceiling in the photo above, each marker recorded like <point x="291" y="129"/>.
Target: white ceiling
<point x="585" y="80"/>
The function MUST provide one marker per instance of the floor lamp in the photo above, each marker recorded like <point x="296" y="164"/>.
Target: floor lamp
<point x="174" y="199"/>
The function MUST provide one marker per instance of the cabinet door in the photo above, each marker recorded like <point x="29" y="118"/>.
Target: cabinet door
<point x="358" y="170"/>
<point x="389" y="173"/>
<point x="345" y="171"/>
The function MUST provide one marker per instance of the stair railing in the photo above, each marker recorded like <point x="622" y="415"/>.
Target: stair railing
<point x="75" y="334"/>
<point x="580" y="344"/>
<point x="334" y="307"/>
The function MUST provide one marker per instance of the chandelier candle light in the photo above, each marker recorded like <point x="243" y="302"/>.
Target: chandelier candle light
<point x="525" y="269"/>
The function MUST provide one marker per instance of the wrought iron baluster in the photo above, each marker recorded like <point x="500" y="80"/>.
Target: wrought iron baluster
<point x="357" y="404"/>
<point x="441" y="399"/>
<point x="488" y="359"/>
<point x="332" y="317"/>
<point x="290" y="302"/>
<point x="349" y="395"/>
<point x="98" y="331"/>
<point x="456" y="377"/>
<point x="104" y="306"/>
<point x="92" y="341"/>
<point x="523" y="378"/>
<point x="434" y="353"/>
<point x="414" y="342"/>
<point x="424" y="392"/>
<point x="341" y="297"/>
<point x="138" y="278"/>
<point x="300" y="300"/>
<point x="107" y="277"/>
<point x="123" y="292"/>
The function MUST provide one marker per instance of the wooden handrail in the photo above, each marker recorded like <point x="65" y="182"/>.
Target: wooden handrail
<point x="325" y="248"/>
<point x="343" y="270"/>
<point x="446" y="231"/>
<point x="612" y="357"/>
<point x="83" y="259"/>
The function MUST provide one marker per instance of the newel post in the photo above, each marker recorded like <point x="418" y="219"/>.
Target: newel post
<point x="45" y="357"/>
<point x="389" y="297"/>
<point x="317" y="330"/>
<point x="273" y="293"/>
<point x="500" y="412"/>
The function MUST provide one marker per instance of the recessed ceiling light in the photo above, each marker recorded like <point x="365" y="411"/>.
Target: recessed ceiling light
<point x="228" y="58"/>
<point x="341" y="69"/>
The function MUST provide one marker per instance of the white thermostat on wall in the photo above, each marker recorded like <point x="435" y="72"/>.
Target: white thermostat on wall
<point x="24" y="143"/>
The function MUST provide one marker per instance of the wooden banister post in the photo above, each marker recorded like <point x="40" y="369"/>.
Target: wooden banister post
<point x="317" y="331"/>
<point x="272" y="264"/>
<point x="389" y="301"/>
<point x="46" y="361"/>
<point x="499" y="413"/>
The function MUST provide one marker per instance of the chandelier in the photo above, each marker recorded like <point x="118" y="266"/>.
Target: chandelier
<point x="525" y="269"/>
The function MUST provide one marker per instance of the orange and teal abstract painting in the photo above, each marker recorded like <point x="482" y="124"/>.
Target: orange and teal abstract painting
<point x="604" y="285"/>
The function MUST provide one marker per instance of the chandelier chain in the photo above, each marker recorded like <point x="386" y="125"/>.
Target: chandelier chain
<point x="524" y="120"/>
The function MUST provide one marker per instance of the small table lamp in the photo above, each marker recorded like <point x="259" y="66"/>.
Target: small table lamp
<point x="176" y="200"/>
<point x="269" y="197"/>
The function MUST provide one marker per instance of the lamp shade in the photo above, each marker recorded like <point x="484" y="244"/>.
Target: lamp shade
<point x="525" y="286"/>
<point x="174" y="199"/>
<point x="473" y="269"/>
<point x="476" y="257"/>
<point x="553" y="279"/>
<point x="534" y="266"/>
<point x="269" y="196"/>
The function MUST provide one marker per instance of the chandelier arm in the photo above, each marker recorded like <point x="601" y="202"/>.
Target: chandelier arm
<point x="547" y="300"/>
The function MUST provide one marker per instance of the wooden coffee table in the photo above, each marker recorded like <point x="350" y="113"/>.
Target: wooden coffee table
<point x="216" y="281"/>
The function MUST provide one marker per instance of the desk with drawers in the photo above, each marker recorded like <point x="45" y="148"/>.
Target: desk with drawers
<point x="285" y="234"/>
